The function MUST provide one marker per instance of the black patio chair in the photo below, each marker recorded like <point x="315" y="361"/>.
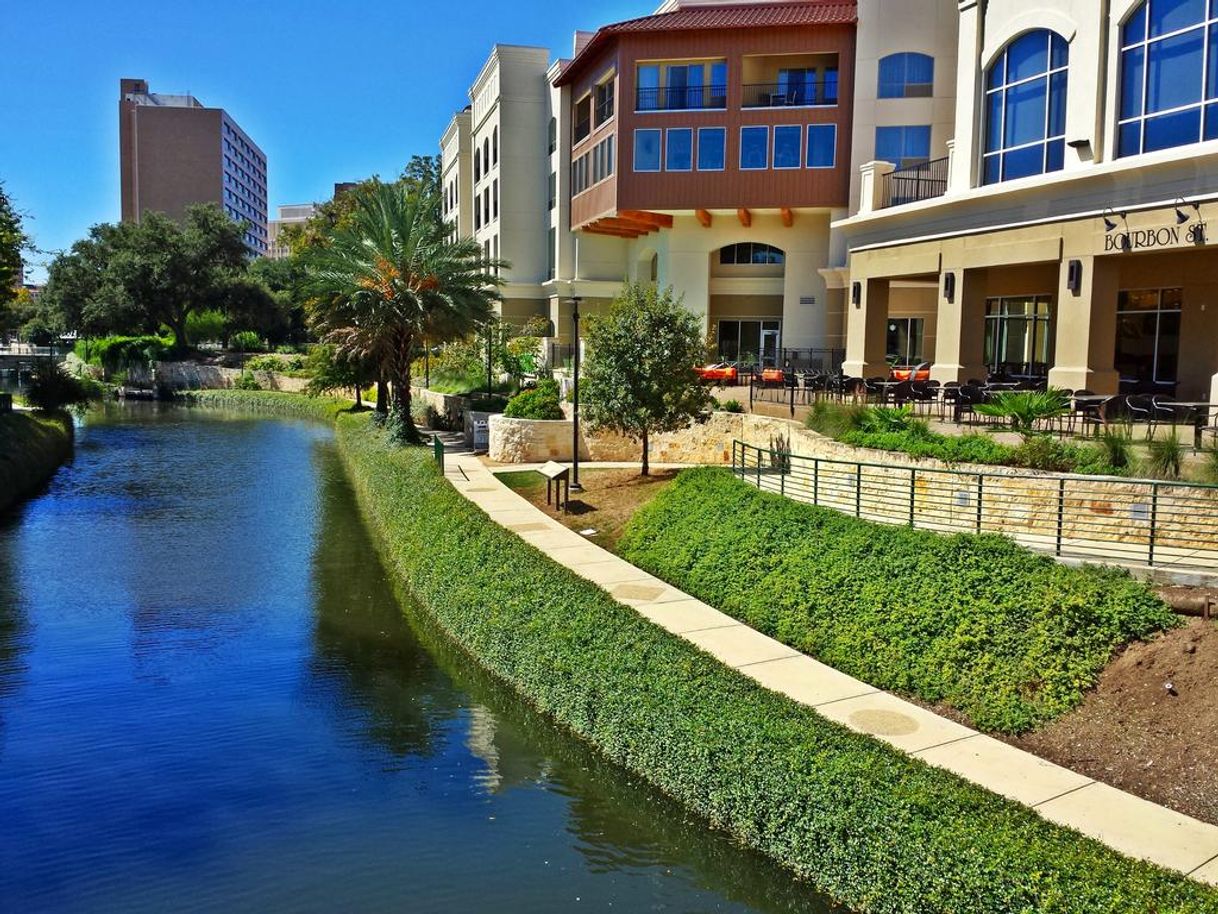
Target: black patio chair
<point x="1141" y="408"/>
<point x="968" y="397"/>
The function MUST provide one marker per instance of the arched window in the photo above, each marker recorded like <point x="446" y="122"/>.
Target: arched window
<point x="1025" y="108"/>
<point x="748" y="253"/>
<point x="495" y="145"/>
<point x="1169" y="76"/>
<point x="907" y="75"/>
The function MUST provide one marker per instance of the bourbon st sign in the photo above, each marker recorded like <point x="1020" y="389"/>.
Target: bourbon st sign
<point x="1172" y="236"/>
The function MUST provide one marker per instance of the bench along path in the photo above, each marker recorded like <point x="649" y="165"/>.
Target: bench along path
<point x="1133" y="826"/>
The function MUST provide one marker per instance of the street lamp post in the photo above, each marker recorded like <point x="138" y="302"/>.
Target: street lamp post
<point x="575" y="486"/>
<point x="488" y="360"/>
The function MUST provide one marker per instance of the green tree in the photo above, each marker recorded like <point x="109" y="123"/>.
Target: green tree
<point x="13" y="242"/>
<point x="381" y="278"/>
<point x="333" y="372"/>
<point x="640" y="376"/>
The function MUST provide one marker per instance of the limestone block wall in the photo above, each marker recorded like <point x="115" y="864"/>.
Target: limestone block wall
<point x="199" y="376"/>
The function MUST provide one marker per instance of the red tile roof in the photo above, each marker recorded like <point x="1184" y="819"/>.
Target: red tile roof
<point x="730" y="16"/>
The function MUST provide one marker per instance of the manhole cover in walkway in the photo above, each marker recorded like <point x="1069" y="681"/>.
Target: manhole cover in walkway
<point x="636" y="592"/>
<point x="884" y="723"/>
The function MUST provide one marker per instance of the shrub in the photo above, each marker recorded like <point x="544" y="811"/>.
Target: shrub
<point x="32" y="446"/>
<point x="1040" y="452"/>
<point x="247" y="341"/>
<point x="731" y="406"/>
<point x="1209" y="464"/>
<point x="1024" y="408"/>
<point x="834" y="419"/>
<point x="1166" y="457"/>
<point x="883" y="419"/>
<point x="1116" y="445"/>
<point x="120" y="353"/>
<point x="51" y="388"/>
<point x="247" y="381"/>
<point x="540" y="402"/>
<point x="878" y="830"/>
<point x="976" y="622"/>
<point x="205" y="326"/>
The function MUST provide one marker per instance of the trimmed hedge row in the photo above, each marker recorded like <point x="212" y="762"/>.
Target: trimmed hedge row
<point x="1008" y="637"/>
<point x="867" y="824"/>
<point x="268" y="402"/>
<point x="32" y="446"/>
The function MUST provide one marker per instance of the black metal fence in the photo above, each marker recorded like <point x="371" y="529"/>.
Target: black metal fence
<point x="923" y="181"/>
<point x="680" y="98"/>
<point x="560" y="355"/>
<point x="787" y="95"/>
<point x="1170" y="525"/>
<point x="815" y="360"/>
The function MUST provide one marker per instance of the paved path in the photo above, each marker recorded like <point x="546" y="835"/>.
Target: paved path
<point x="1127" y="823"/>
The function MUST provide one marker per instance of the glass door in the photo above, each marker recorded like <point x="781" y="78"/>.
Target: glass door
<point x="769" y="346"/>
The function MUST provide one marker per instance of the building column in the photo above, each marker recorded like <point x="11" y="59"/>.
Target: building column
<point x="867" y="330"/>
<point x="1085" y="331"/>
<point x="688" y="272"/>
<point x="960" y="329"/>
<point x="803" y="324"/>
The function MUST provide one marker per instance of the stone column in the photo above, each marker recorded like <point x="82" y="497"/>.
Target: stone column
<point x="871" y="186"/>
<point x="960" y="329"/>
<point x="1085" y="327"/>
<point x="867" y="330"/>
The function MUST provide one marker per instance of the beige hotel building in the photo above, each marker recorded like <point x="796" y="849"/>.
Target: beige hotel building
<point x="1065" y="230"/>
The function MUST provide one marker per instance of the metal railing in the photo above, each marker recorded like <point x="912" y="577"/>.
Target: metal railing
<point x="923" y="181"/>
<point x="1101" y="519"/>
<point x="818" y="360"/>
<point x="680" y="98"/>
<point x="785" y="95"/>
<point x="559" y="355"/>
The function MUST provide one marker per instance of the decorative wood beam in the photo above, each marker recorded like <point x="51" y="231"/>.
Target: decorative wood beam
<point x="704" y="217"/>
<point x="788" y="217"/>
<point x="660" y="220"/>
<point x="745" y="217"/>
<point x="629" y="225"/>
<point x="598" y="229"/>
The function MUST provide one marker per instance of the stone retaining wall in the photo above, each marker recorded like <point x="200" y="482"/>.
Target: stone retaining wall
<point x="536" y="440"/>
<point x="200" y="376"/>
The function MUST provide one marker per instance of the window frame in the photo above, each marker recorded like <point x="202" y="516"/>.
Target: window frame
<point x="904" y="57"/>
<point x="668" y="132"/>
<point x="808" y="147"/>
<point x="634" y="163"/>
<point x="766" y="130"/>
<point x="722" y="131"/>
<point x="799" y="147"/>
<point x="907" y="161"/>
<point x="1048" y="141"/>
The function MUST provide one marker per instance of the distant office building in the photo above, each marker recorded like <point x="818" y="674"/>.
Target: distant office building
<point x="175" y="152"/>
<point x="292" y="214"/>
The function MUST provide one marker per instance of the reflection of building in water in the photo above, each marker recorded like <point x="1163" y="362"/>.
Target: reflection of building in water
<point x="511" y="757"/>
<point x="480" y="740"/>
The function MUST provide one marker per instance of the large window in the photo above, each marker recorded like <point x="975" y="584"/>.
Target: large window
<point x="754" y="148"/>
<point x="750" y="253"/>
<point x="681" y="86"/>
<point x="907" y="75"/>
<point x="1025" y="108"/>
<point x="604" y="101"/>
<point x="1148" y="338"/>
<point x="822" y="145"/>
<point x="1169" y="76"/>
<point x="647" y="150"/>
<point x="750" y="341"/>
<point x="712" y="148"/>
<point x="679" y="149"/>
<point x="1018" y="335"/>
<point x="903" y="146"/>
<point x="905" y="340"/>
<point x="787" y="146"/>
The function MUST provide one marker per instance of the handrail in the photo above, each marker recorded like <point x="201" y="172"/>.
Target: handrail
<point x="790" y="95"/>
<point x="1133" y="521"/>
<point x="923" y="181"/>
<point x="680" y="98"/>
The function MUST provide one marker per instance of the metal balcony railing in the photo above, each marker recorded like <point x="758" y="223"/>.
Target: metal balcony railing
<point x="681" y="98"/>
<point x="923" y="181"/>
<point x="785" y="95"/>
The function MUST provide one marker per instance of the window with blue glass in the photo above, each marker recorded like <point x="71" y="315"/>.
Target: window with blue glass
<point x="1025" y="108"/>
<point x="1169" y="76"/>
<point x="788" y="141"/>
<point x="822" y="145"/>
<point x="754" y="148"/>
<point x="712" y="148"/>
<point x="903" y="146"/>
<point x="647" y="150"/>
<point x="679" y="149"/>
<point x="907" y="75"/>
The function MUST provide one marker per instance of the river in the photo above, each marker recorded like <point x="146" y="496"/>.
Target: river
<point x="211" y="699"/>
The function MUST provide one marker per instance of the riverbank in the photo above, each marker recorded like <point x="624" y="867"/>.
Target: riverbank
<point x="862" y="821"/>
<point x="869" y="825"/>
<point x="32" y="446"/>
<point x="266" y="402"/>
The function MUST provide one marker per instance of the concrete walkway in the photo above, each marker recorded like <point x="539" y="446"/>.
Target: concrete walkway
<point x="1131" y="825"/>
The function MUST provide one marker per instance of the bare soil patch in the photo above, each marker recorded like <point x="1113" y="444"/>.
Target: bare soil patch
<point x="1151" y="724"/>
<point x="609" y="499"/>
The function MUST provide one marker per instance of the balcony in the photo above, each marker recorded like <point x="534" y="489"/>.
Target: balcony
<point x="790" y="95"/>
<point x="923" y="181"/>
<point x="681" y="98"/>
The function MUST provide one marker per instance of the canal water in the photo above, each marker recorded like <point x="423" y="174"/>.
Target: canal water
<point x="211" y="699"/>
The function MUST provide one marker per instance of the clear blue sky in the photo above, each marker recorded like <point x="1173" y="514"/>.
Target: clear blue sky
<point x="331" y="91"/>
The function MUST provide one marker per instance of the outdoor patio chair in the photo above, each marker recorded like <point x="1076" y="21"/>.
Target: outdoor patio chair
<point x="921" y="393"/>
<point x="1141" y="408"/>
<point x="967" y="398"/>
<point x="901" y="394"/>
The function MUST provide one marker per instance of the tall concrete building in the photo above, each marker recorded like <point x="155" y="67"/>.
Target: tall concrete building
<point x="289" y="215"/>
<point x="174" y="152"/>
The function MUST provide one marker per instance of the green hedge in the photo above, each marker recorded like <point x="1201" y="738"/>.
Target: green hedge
<point x="32" y="446"/>
<point x="540" y="402"/>
<point x="867" y="824"/>
<point x="1006" y="636"/>
<point x="267" y="401"/>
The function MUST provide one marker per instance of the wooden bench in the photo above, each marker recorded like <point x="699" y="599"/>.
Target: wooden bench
<point x="558" y="484"/>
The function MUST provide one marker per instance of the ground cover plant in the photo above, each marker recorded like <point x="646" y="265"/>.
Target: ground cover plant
<point x="878" y="830"/>
<point x="882" y="832"/>
<point x="979" y="623"/>
<point x="32" y="446"/>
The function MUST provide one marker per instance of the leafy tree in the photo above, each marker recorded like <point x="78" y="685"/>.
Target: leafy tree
<point x="382" y="277"/>
<point x="333" y="372"/>
<point x="13" y="241"/>
<point x="640" y="376"/>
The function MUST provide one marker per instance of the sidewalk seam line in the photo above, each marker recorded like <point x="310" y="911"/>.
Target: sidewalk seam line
<point x="1203" y="865"/>
<point x="946" y="742"/>
<point x="1065" y="793"/>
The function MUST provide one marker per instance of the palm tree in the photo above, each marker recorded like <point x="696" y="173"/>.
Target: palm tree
<point x="387" y="277"/>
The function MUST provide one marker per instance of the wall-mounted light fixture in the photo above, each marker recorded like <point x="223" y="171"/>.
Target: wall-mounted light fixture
<point x="1110" y="219"/>
<point x="949" y="286"/>
<point x="1183" y="217"/>
<point x="1074" y="276"/>
<point x="856" y="294"/>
